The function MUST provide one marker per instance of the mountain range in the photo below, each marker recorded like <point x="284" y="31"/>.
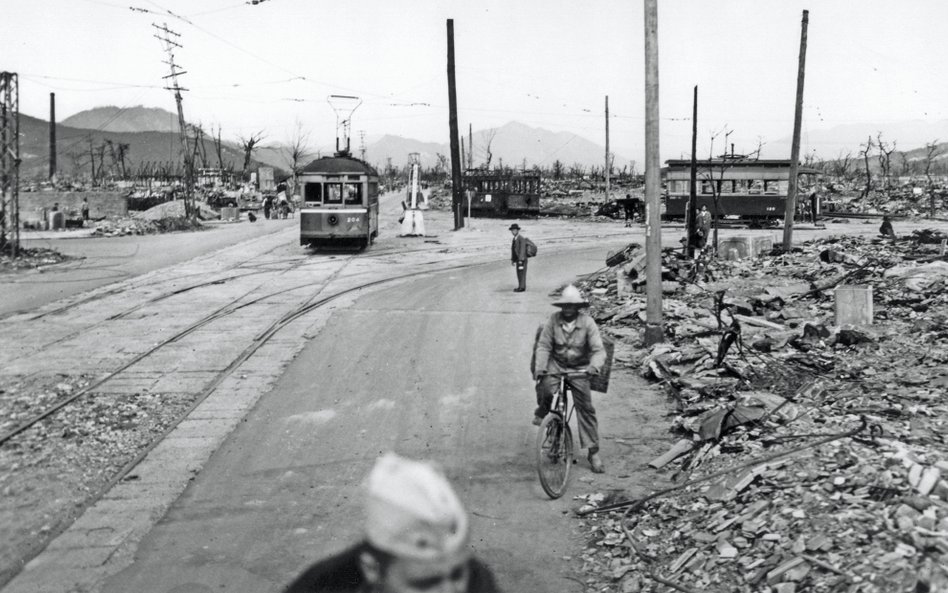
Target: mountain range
<point x="510" y="144"/>
<point x="151" y="136"/>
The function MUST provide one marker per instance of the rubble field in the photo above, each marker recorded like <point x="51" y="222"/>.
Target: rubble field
<point x="163" y="218"/>
<point x="30" y="259"/>
<point x="810" y="456"/>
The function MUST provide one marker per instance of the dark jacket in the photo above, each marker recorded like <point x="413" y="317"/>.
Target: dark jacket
<point x="341" y="574"/>
<point x="518" y="248"/>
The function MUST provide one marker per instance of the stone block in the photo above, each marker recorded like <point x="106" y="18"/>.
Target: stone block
<point x="853" y="305"/>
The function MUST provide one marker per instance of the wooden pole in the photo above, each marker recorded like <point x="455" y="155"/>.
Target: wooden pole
<point x="795" y="146"/>
<point x="653" y="230"/>
<point x="455" y="144"/>
<point x="607" y="148"/>
<point x="470" y="146"/>
<point x="52" y="136"/>
<point x="692" y="231"/>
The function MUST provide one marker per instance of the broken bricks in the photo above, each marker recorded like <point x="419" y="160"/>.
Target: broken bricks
<point x="870" y="512"/>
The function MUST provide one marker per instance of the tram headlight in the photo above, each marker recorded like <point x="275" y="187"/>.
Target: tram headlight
<point x="333" y="220"/>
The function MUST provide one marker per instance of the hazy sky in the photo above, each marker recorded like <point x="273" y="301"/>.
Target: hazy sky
<point x="545" y="63"/>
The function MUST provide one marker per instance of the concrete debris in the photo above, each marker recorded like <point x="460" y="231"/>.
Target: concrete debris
<point x="862" y="513"/>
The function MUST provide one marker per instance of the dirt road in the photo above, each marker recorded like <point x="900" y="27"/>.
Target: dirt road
<point x="435" y="369"/>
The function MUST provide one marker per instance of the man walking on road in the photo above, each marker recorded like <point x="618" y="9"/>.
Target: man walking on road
<point x="416" y="539"/>
<point x="570" y="342"/>
<point x="518" y="257"/>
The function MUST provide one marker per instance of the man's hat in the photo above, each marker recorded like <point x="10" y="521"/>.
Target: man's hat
<point x="412" y="511"/>
<point x="514" y="227"/>
<point x="571" y="297"/>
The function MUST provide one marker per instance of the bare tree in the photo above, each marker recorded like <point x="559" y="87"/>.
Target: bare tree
<point x="864" y="151"/>
<point x="218" y="146"/>
<point x="842" y="166"/>
<point x="297" y="152"/>
<point x="488" y="139"/>
<point x="885" y="158"/>
<point x="904" y="164"/>
<point x="557" y="169"/>
<point x="248" y="144"/>
<point x="932" y="151"/>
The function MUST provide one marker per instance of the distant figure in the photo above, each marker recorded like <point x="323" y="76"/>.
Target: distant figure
<point x="885" y="229"/>
<point x="267" y="205"/>
<point x="85" y="210"/>
<point x="814" y="205"/>
<point x="55" y="207"/>
<point x="518" y="256"/>
<point x="628" y="206"/>
<point x="416" y="538"/>
<point x="704" y="226"/>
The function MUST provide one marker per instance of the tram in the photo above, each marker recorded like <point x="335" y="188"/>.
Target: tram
<point x="752" y="189"/>
<point x="499" y="194"/>
<point x="340" y="202"/>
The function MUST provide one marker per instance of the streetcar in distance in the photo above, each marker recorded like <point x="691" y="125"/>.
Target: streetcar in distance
<point x="751" y="189"/>
<point x="340" y="206"/>
<point x="501" y="195"/>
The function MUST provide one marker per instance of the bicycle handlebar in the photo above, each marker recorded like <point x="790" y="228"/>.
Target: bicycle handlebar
<point x="577" y="374"/>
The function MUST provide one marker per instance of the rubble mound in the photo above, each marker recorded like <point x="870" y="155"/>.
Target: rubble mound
<point x="118" y="227"/>
<point x="175" y="209"/>
<point x="809" y="456"/>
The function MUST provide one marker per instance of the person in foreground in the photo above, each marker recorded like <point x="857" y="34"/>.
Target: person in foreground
<point x="570" y="342"/>
<point x="416" y="539"/>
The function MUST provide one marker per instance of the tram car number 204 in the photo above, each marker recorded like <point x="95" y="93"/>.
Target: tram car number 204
<point x="340" y="203"/>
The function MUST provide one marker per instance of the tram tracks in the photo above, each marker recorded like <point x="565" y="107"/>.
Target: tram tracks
<point x="239" y="303"/>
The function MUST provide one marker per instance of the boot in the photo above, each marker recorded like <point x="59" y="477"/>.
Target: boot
<point x="595" y="463"/>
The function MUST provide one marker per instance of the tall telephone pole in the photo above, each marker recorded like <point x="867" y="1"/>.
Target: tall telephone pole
<point x="453" y="124"/>
<point x="791" y="208"/>
<point x="654" y="333"/>
<point x="10" y="163"/>
<point x="607" y="148"/>
<point x="52" y="136"/>
<point x="165" y="36"/>
<point x="362" y="144"/>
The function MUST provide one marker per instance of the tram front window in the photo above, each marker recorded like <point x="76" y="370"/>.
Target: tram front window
<point x="352" y="193"/>
<point x="313" y="193"/>
<point x="332" y="193"/>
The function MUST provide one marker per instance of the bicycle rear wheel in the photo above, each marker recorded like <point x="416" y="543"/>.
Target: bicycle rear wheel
<point x="554" y="455"/>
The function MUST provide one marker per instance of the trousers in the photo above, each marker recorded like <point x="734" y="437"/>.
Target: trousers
<point x="582" y="399"/>
<point x="521" y="274"/>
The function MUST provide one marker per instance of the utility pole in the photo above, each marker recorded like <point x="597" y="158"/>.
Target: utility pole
<point x="169" y="45"/>
<point x="654" y="332"/>
<point x="92" y="159"/>
<point x="362" y="144"/>
<point x="10" y="163"/>
<point x="607" y="148"/>
<point x="795" y="146"/>
<point x="692" y="215"/>
<point x="463" y="158"/>
<point x="453" y="123"/>
<point x="52" y="137"/>
<point x="470" y="146"/>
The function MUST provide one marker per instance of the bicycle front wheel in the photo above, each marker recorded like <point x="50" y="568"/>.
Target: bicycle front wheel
<point x="554" y="455"/>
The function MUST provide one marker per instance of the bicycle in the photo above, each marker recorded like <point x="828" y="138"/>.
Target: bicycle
<point x="555" y="439"/>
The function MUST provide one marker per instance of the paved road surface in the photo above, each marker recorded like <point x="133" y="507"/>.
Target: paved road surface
<point x="435" y="368"/>
<point x="108" y="260"/>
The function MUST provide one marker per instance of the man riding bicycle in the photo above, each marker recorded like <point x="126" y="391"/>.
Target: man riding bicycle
<point x="570" y="342"/>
